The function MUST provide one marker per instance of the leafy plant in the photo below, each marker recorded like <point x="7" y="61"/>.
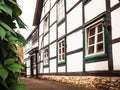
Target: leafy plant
<point x="10" y="63"/>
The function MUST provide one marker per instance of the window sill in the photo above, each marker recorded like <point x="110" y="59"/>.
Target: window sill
<point x="61" y="63"/>
<point x="46" y="65"/>
<point x="95" y="57"/>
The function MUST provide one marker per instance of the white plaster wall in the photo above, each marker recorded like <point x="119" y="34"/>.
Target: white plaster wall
<point x="75" y="62"/>
<point x="53" y="66"/>
<point x="46" y="70"/>
<point x="116" y="56"/>
<point x="28" y="71"/>
<point x="61" y="69"/>
<point x="115" y="18"/>
<point x="94" y="8"/>
<point x="52" y="2"/>
<point x="97" y="66"/>
<point x="61" y="30"/>
<point x="75" y="41"/>
<point x="42" y="15"/>
<point x="41" y="53"/>
<point x="35" y="45"/>
<point x="46" y="40"/>
<point x="113" y="2"/>
<point x="53" y="33"/>
<point x="70" y="3"/>
<point x="41" y="67"/>
<point x="53" y="15"/>
<point x="34" y="71"/>
<point x="47" y="7"/>
<point x="28" y="63"/>
<point x="74" y="18"/>
<point x="53" y="50"/>
<point x="40" y="42"/>
<point x="41" y="28"/>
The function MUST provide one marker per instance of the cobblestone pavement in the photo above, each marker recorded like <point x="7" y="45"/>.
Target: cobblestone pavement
<point x="37" y="84"/>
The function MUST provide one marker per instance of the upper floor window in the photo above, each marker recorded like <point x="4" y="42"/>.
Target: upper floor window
<point x="46" y="23"/>
<point x="95" y="40"/>
<point x="61" y="9"/>
<point x="61" y="50"/>
<point x="46" y="56"/>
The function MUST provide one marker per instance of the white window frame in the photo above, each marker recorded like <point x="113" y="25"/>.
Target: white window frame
<point x="94" y="25"/>
<point x="61" y="9"/>
<point x="46" y="56"/>
<point x="61" y="50"/>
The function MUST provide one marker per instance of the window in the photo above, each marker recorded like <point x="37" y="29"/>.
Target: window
<point x="46" y="55"/>
<point x="61" y="9"/>
<point x="46" y="24"/>
<point x="61" y="51"/>
<point x="94" y="40"/>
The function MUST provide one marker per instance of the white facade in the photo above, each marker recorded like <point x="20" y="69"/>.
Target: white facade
<point x="86" y="26"/>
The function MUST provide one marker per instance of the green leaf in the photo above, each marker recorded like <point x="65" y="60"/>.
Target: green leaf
<point x="7" y="27"/>
<point x="3" y="83"/>
<point x="13" y="2"/>
<point x="4" y="51"/>
<point x="3" y="72"/>
<point x="18" y="87"/>
<point x="15" y="67"/>
<point x="12" y="38"/>
<point x="8" y="9"/>
<point x="21" y="40"/>
<point x="2" y="33"/>
<point x="9" y="61"/>
<point x="20" y="23"/>
<point x="1" y="1"/>
<point x="3" y="8"/>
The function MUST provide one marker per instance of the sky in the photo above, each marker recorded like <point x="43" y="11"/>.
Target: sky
<point x="28" y="8"/>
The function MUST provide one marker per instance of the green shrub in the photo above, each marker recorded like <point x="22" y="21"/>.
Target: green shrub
<point x="10" y="64"/>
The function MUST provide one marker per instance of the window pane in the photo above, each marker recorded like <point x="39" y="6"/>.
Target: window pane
<point x="63" y="50"/>
<point x="62" y="43"/>
<point x="92" y="31"/>
<point x="100" y="37"/>
<point x="60" y="57"/>
<point x="100" y="47"/>
<point x="100" y="28"/>
<point x="59" y="51"/>
<point x="59" y="45"/>
<point x="91" y="40"/>
<point x="91" y="50"/>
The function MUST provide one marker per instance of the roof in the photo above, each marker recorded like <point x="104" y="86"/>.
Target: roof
<point x="28" y="38"/>
<point x="38" y="12"/>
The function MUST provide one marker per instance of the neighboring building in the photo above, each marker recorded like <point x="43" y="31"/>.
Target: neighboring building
<point x="31" y="53"/>
<point x="78" y="38"/>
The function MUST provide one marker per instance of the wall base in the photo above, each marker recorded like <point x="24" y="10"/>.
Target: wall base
<point x="96" y="82"/>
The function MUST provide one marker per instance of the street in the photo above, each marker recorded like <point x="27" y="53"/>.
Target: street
<point x="38" y="84"/>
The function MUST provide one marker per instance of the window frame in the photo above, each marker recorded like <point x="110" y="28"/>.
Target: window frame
<point x="46" y="24"/>
<point x="46" y="57"/>
<point x="62" y="54"/>
<point x="99" y="54"/>
<point x="60" y="10"/>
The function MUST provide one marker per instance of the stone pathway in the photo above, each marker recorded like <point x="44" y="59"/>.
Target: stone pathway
<point x="37" y="84"/>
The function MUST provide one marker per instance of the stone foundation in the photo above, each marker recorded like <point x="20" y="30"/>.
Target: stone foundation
<point x="96" y="82"/>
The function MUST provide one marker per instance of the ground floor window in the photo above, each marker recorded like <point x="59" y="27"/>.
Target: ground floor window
<point x="46" y="55"/>
<point x="61" y="51"/>
<point x="95" y="40"/>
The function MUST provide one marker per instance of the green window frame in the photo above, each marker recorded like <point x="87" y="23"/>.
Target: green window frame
<point x="95" y="41"/>
<point x="62" y="51"/>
